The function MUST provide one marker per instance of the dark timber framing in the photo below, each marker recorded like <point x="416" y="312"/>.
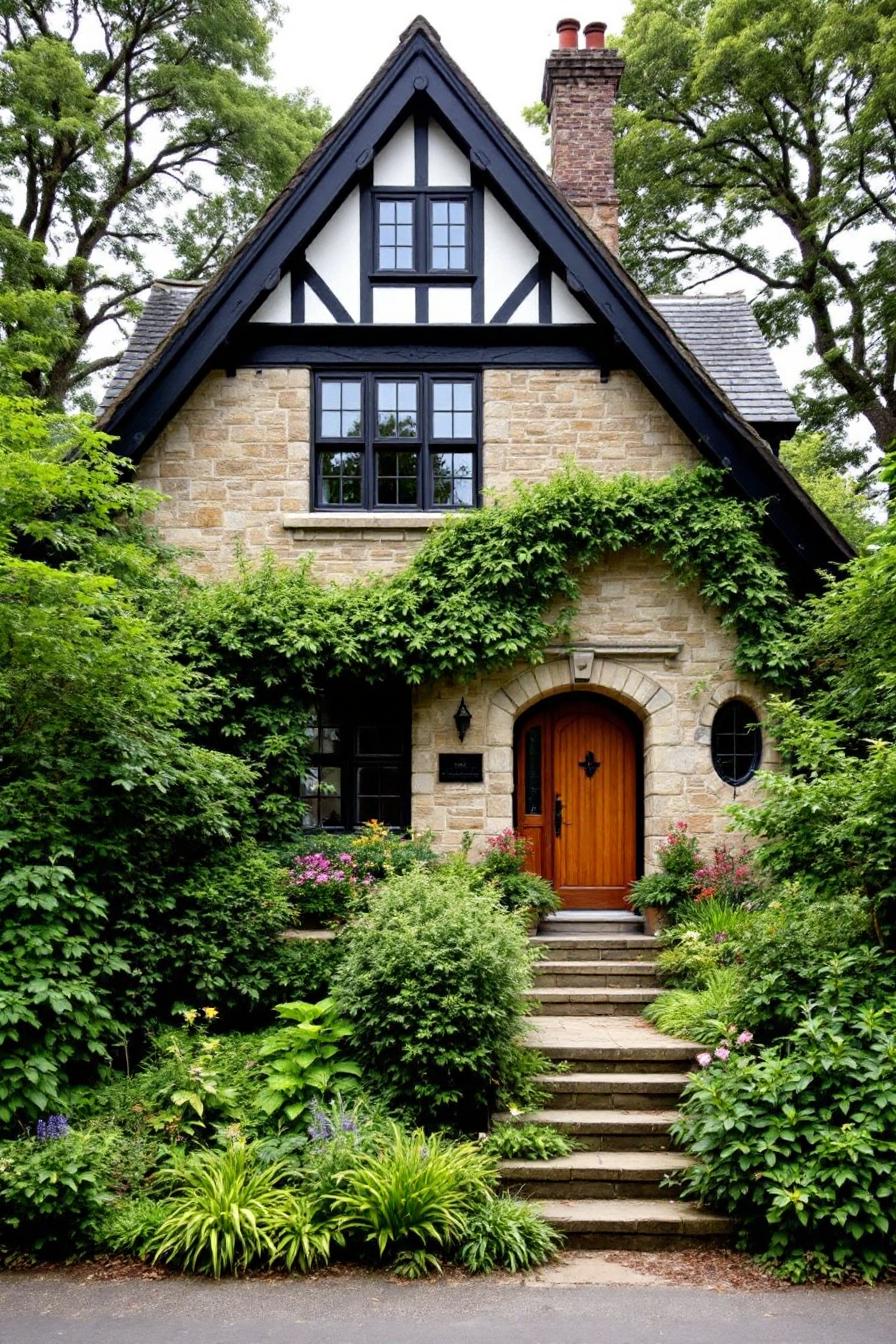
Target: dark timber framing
<point x="420" y="76"/>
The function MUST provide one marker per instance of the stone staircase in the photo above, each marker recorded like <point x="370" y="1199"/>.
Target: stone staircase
<point x="617" y="1100"/>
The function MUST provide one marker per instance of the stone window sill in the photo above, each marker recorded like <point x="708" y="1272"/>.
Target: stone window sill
<point x="360" y="522"/>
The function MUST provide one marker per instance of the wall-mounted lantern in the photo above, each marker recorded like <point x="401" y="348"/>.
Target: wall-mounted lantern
<point x="462" y="719"/>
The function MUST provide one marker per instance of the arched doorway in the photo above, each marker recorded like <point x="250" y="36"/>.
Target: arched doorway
<point x="578" y="797"/>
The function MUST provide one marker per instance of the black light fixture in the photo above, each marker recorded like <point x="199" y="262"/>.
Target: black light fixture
<point x="462" y="719"/>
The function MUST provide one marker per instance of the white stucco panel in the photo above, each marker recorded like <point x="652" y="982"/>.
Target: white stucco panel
<point x="277" y="307"/>
<point x="315" y="310"/>
<point x="508" y="255"/>
<point x="450" y="303"/>
<point x="393" y="166"/>
<point x="448" y="167"/>
<point x="336" y="254"/>
<point x="394" y="303"/>
<point x="565" y="308"/>
<point x="527" y="311"/>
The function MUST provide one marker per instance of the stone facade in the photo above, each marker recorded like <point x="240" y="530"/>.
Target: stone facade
<point x="672" y="668"/>
<point x="234" y="463"/>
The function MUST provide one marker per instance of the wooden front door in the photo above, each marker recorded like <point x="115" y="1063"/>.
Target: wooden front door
<point x="577" y="790"/>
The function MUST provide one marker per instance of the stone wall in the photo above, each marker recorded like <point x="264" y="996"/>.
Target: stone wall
<point x="629" y="601"/>
<point x="235" y="462"/>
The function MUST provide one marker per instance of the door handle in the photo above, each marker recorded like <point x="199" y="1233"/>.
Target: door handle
<point x="558" y="816"/>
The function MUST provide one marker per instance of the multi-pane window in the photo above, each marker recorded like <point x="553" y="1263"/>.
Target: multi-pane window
<point x="389" y="442"/>
<point x="395" y="235"/>
<point x="448" y="235"/>
<point x="736" y="742"/>
<point x="358" y="743"/>
<point x="422" y="233"/>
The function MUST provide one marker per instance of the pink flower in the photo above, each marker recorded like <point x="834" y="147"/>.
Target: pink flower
<point x="721" y="1052"/>
<point x="704" y="1059"/>
<point x="745" y="1038"/>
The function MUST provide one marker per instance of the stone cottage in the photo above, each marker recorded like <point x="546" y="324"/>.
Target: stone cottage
<point x="421" y="318"/>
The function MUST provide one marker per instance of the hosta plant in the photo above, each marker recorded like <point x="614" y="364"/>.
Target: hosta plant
<point x="505" y="1233"/>
<point x="411" y="1198"/>
<point x="305" y="1061"/>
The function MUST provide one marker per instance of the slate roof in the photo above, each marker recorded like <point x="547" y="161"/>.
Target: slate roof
<point x="719" y="330"/>
<point x="167" y="300"/>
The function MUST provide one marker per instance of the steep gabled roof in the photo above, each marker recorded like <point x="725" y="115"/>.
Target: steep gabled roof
<point x="420" y="70"/>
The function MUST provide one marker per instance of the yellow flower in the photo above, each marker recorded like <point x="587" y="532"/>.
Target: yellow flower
<point x="210" y="1014"/>
<point x="190" y="1016"/>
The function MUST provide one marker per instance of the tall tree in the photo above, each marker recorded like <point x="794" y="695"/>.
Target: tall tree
<point x="133" y="131"/>
<point x="758" y="138"/>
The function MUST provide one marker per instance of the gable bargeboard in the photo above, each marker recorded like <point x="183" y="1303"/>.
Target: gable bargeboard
<point x="222" y="399"/>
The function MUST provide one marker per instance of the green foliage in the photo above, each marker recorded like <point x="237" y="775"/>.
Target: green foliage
<point x="189" y="1099"/>
<point x="508" y="1234"/>
<point x="708" y="934"/>
<point x="54" y="1193"/>
<point x="775" y="168"/>
<point x="675" y="883"/>
<point x="309" y="966"/>
<point x="222" y="1211"/>
<point x="126" y="131"/>
<point x="413" y="1196"/>
<point x="528" y="1143"/>
<point x="842" y="497"/>
<point x="503" y="865"/>
<point x="215" y="936"/>
<point x="305" y="1061"/>
<point x="702" y="1014"/>
<point x="304" y="1239"/>
<point x="797" y="1143"/>
<point x="431" y="981"/>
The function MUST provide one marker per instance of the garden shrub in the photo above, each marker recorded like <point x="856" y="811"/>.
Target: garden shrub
<point x="797" y="1143"/>
<point x="702" y="1014"/>
<point x="307" y="966"/>
<point x="432" y="979"/>
<point x="708" y="934"/>
<point x="306" y="1060"/>
<point x="675" y="882"/>
<point x="503" y="865"/>
<point x="528" y="1143"/>
<point x="507" y="1233"/>
<point x="330" y="875"/>
<point x="410" y="1199"/>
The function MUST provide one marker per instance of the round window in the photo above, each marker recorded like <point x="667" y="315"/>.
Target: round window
<point x="736" y="742"/>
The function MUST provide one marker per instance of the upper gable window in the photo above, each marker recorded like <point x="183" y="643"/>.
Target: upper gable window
<point x="422" y="234"/>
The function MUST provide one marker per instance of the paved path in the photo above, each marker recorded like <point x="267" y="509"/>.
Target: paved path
<point x="67" y="1306"/>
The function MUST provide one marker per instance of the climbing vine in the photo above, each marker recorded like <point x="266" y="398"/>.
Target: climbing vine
<point x="475" y="596"/>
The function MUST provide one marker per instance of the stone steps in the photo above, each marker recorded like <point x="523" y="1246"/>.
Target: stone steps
<point x="612" y="947"/>
<point x="635" y="1224"/>
<point x="602" y="1091"/>
<point x="552" y="974"/>
<point x="613" y="1129"/>
<point x="576" y="1002"/>
<point x="609" y="1045"/>
<point x="594" y="1175"/>
<point x="579" y="923"/>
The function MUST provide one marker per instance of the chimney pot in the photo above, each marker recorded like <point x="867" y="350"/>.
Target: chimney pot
<point x="568" y="34"/>
<point x="594" y="36"/>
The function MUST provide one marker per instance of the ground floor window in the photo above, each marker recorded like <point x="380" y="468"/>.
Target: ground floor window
<point x="360" y="759"/>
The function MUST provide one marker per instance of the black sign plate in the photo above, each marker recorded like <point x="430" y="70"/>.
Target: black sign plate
<point x="460" y="767"/>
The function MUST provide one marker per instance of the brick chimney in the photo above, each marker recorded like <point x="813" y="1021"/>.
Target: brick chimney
<point x="579" y="90"/>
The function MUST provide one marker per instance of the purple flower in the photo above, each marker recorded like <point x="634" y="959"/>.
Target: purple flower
<point x="54" y="1127"/>
<point x="745" y="1038"/>
<point x="720" y="937"/>
<point x="704" y="1059"/>
<point x="321" y="1128"/>
<point x="349" y="1124"/>
<point x="721" y="1052"/>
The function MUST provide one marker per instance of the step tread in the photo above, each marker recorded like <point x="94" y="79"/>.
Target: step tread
<point x="633" y="1215"/>
<point x="594" y="1121"/>
<point x="608" y="1164"/>
<point x="605" y="1038"/>
<point x="594" y="940"/>
<point x="617" y="1082"/>
<point x="595" y="967"/>
<point x="602" y="994"/>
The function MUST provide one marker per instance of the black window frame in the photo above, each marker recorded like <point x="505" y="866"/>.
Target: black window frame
<point x="425" y="443"/>
<point x="422" y="199"/>
<point x="351" y="708"/>
<point x="749" y="726"/>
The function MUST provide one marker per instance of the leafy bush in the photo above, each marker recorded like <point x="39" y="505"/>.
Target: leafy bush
<point x="797" y="1143"/>
<point x="431" y="980"/>
<point x="189" y="1098"/>
<point x="702" y="1014"/>
<point x="215" y="937"/>
<point x="675" y="882"/>
<point x="329" y="875"/>
<point x="222" y="1213"/>
<point x="528" y="1143"/>
<point x="305" y="1061"/>
<point x="304" y="1238"/>
<point x="504" y="865"/>
<point x="708" y="934"/>
<point x="506" y="1233"/>
<point x="413" y="1196"/>
<point x="308" y="966"/>
<point x="54" y="1191"/>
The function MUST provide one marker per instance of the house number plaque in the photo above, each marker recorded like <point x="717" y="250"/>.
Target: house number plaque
<point x="460" y="767"/>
